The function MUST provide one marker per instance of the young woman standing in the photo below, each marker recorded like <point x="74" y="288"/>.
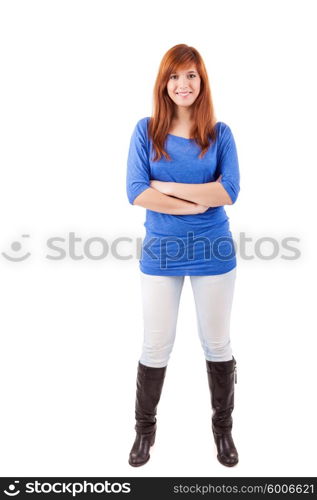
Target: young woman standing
<point x="183" y="168"/>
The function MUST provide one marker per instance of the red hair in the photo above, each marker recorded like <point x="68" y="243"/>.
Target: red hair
<point x="203" y="130"/>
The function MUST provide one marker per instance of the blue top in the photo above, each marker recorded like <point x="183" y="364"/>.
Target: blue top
<point x="199" y="244"/>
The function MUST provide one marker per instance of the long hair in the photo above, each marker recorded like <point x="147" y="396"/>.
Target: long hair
<point x="203" y="130"/>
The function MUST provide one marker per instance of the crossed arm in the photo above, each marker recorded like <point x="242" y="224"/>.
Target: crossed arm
<point x="181" y="199"/>
<point x="209" y="194"/>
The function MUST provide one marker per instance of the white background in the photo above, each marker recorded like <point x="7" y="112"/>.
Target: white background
<point x="76" y="77"/>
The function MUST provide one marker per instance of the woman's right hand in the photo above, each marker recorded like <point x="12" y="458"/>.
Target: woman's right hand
<point x="201" y="208"/>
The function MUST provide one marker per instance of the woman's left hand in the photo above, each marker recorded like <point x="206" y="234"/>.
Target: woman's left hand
<point x="161" y="186"/>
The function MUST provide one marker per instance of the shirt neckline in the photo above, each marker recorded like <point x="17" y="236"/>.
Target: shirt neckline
<point x="180" y="137"/>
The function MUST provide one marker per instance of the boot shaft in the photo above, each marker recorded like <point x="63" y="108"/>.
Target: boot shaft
<point x="149" y="388"/>
<point x="222" y="376"/>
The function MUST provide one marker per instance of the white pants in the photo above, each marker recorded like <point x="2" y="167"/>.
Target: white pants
<point x="213" y="299"/>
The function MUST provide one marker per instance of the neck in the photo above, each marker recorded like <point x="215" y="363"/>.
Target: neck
<point x="183" y="115"/>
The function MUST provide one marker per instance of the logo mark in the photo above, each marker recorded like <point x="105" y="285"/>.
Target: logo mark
<point x="12" y="493"/>
<point x="16" y="247"/>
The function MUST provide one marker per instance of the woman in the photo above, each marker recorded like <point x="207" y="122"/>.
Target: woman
<point x="183" y="168"/>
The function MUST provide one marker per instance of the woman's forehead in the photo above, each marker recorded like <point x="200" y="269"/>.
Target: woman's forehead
<point x="186" y="69"/>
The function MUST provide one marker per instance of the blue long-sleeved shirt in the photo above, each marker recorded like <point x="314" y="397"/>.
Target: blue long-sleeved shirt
<point x="199" y="244"/>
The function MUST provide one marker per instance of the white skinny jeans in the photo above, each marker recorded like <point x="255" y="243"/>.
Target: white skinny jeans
<point x="161" y="297"/>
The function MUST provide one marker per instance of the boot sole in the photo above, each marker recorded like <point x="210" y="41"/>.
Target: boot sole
<point x="225" y="464"/>
<point x="139" y="465"/>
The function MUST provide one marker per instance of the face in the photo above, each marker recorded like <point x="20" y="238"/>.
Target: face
<point x="183" y="86"/>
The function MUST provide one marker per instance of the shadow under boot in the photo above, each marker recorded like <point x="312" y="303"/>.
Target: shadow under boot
<point x="149" y="387"/>
<point x="222" y="376"/>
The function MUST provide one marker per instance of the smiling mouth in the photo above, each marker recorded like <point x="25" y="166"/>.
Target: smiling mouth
<point x="183" y="94"/>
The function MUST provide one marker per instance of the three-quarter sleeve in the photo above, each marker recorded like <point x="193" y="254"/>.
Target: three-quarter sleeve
<point x="138" y="166"/>
<point x="228" y="164"/>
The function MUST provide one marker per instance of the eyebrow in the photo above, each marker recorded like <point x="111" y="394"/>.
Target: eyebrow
<point x="190" y="71"/>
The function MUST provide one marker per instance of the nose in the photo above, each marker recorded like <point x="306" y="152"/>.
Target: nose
<point x="183" y="84"/>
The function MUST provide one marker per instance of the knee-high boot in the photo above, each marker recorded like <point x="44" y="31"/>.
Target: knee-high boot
<point x="149" y="387"/>
<point x="222" y="377"/>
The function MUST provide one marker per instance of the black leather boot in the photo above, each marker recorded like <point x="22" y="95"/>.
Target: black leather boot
<point x="222" y="376"/>
<point x="149" y="387"/>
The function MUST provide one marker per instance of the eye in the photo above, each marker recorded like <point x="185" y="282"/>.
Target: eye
<point x="191" y="75"/>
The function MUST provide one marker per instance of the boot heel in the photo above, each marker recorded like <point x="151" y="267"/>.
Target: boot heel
<point x="153" y="439"/>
